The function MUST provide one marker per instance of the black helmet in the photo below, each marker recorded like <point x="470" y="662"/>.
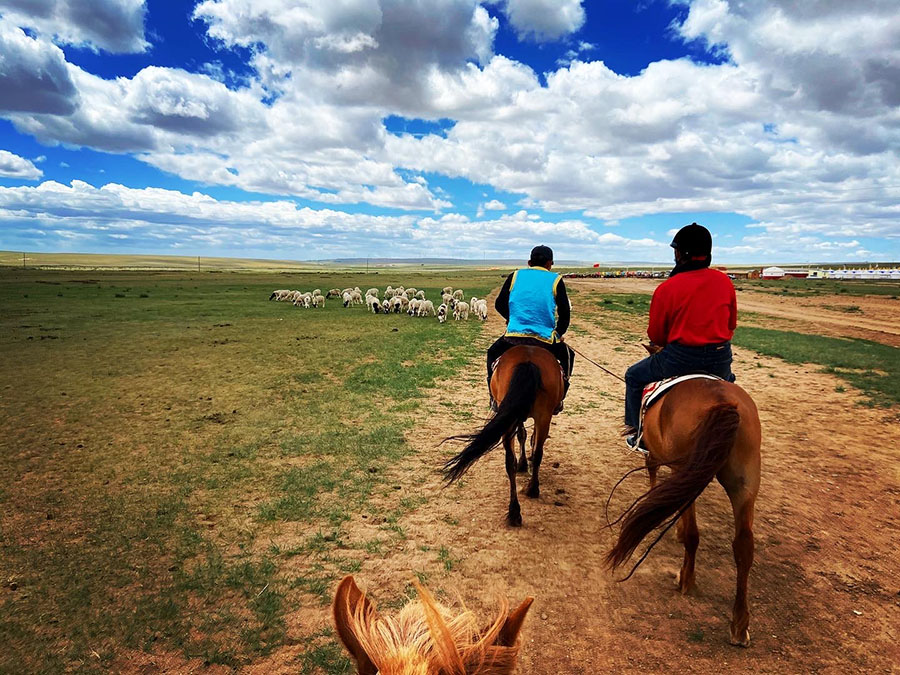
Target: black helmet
<point x="693" y="240"/>
<point x="540" y="256"/>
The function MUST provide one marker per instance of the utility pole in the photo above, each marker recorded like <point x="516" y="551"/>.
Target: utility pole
<point x="198" y="263"/>
<point x="23" y="260"/>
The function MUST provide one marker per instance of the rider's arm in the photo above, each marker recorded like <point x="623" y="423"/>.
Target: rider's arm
<point x="657" y="328"/>
<point x="563" y="309"/>
<point x="501" y="304"/>
<point x="732" y="318"/>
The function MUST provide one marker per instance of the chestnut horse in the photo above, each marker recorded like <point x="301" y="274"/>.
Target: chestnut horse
<point x="425" y="638"/>
<point x="528" y="383"/>
<point x="702" y="429"/>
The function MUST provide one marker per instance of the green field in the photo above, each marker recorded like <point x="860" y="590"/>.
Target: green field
<point x="181" y="457"/>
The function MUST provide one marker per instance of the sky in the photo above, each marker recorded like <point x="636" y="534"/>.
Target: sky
<point x="311" y="130"/>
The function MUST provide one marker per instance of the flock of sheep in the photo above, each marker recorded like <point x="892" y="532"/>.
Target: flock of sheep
<point x="394" y="301"/>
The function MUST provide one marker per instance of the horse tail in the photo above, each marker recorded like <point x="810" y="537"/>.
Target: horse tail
<point x="513" y="411"/>
<point x="713" y="441"/>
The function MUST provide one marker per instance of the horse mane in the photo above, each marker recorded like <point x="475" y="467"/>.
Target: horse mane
<point x="426" y="633"/>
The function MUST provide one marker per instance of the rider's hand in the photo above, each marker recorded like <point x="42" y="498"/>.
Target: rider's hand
<point x="652" y="348"/>
<point x="561" y="338"/>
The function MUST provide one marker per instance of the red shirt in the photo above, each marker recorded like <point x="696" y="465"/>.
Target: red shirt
<point x="693" y="308"/>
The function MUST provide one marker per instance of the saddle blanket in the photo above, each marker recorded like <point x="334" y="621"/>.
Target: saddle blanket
<point x="655" y="390"/>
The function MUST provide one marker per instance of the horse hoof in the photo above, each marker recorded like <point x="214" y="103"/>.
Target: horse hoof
<point x="514" y="520"/>
<point x="741" y="640"/>
<point x="534" y="493"/>
<point x="522" y="468"/>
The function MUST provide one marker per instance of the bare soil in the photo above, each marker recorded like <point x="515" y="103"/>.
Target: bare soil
<point x="825" y="588"/>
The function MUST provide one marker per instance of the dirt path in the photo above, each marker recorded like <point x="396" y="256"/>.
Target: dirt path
<point x="825" y="588"/>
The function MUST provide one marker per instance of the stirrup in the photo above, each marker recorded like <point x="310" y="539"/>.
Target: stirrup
<point x="634" y="444"/>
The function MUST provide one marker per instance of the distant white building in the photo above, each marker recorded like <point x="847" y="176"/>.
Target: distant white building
<point x="772" y="273"/>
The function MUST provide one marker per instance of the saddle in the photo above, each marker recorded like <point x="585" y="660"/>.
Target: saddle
<point x="654" y="391"/>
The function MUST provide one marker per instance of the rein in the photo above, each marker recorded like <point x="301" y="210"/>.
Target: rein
<point x="605" y="370"/>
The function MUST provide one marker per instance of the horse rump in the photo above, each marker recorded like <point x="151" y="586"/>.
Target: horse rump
<point x="513" y="410"/>
<point x="714" y="439"/>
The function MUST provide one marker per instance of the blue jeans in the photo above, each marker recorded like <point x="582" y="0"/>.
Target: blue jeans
<point x="672" y="361"/>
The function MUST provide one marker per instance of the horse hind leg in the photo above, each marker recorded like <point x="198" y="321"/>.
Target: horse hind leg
<point x="514" y="515"/>
<point x="521" y="436"/>
<point x="742" y="503"/>
<point x="689" y="535"/>
<point x="539" y="435"/>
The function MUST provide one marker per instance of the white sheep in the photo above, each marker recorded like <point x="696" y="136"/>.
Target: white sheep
<point x="461" y="311"/>
<point x="319" y="301"/>
<point x="356" y="297"/>
<point x="420" y="295"/>
<point x="472" y="302"/>
<point x="373" y="303"/>
<point x="481" y="310"/>
<point x="458" y="294"/>
<point x="447" y="289"/>
<point x="334" y="293"/>
<point x="442" y="313"/>
<point x="316" y="292"/>
<point x="426" y="306"/>
<point x="446" y="298"/>
<point x="386" y="306"/>
<point x="347" y="298"/>
<point x="279" y="295"/>
<point x="411" y="292"/>
<point x="372" y="291"/>
<point x="413" y="309"/>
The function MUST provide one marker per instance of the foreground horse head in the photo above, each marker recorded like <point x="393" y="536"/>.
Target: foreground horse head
<point x="702" y="429"/>
<point x="527" y="383"/>
<point x="425" y="638"/>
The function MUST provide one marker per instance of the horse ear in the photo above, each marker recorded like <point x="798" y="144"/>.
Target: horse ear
<point x="346" y="607"/>
<point x="509" y="633"/>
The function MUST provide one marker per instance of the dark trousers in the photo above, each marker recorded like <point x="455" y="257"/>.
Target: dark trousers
<point x="560" y="350"/>
<point x="672" y="361"/>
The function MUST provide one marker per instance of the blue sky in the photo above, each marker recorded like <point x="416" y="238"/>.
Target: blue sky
<point x="451" y="128"/>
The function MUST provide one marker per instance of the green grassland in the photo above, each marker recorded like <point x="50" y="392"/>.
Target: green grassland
<point x="180" y="456"/>
<point x="813" y="287"/>
<point x="872" y="367"/>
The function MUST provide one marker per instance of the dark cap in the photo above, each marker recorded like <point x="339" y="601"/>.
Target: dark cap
<point x="693" y="240"/>
<point x="540" y="255"/>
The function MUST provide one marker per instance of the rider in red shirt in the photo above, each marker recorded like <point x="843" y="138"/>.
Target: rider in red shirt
<point x="693" y="315"/>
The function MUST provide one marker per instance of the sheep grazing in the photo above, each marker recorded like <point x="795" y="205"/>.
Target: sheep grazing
<point x="461" y="311"/>
<point x="386" y="306"/>
<point x="481" y="310"/>
<point x="420" y="295"/>
<point x="442" y="313"/>
<point x="413" y="309"/>
<point x="426" y="307"/>
<point x="333" y="293"/>
<point x="447" y="289"/>
<point x="318" y="301"/>
<point x="472" y="302"/>
<point x="316" y="292"/>
<point x="279" y="295"/>
<point x="396" y="305"/>
<point x="458" y="294"/>
<point x="446" y="298"/>
<point x="356" y="297"/>
<point x="373" y="304"/>
<point x="347" y="298"/>
<point x="372" y="291"/>
<point x="411" y="292"/>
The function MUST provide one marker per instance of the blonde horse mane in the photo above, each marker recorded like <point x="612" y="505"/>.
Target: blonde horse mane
<point x="427" y="638"/>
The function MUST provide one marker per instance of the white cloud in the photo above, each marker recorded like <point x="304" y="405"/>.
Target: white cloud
<point x="13" y="166"/>
<point x="545" y="20"/>
<point x="112" y="25"/>
<point x="34" y="76"/>
<point x="164" y="219"/>
<point x="495" y="205"/>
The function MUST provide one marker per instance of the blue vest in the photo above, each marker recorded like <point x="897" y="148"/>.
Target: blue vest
<point x="532" y="304"/>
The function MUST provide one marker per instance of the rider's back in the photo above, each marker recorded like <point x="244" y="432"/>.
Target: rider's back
<point x="693" y="308"/>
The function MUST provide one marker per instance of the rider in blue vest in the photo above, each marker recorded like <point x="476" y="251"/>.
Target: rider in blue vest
<point x="536" y="308"/>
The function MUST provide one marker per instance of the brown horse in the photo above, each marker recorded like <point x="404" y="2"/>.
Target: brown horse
<point x="528" y="383"/>
<point x="425" y="638"/>
<point x="702" y="429"/>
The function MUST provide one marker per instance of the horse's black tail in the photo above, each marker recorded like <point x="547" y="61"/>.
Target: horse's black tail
<point x="513" y="411"/>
